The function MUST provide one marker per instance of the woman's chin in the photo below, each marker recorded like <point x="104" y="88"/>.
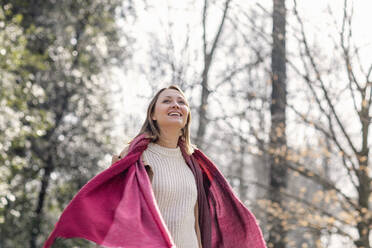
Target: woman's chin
<point x="173" y="124"/>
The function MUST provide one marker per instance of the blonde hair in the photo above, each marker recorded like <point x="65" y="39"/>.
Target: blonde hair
<point x="151" y="129"/>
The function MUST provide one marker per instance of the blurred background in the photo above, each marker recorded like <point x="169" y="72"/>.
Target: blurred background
<point x="280" y="92"/>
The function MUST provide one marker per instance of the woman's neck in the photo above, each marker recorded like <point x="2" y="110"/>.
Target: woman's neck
<point x="168" y="138"/>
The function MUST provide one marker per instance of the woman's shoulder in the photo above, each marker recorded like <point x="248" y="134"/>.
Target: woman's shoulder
<point x="125" y="151"/>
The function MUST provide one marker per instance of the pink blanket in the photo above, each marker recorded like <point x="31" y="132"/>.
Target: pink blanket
<point x="117" y="208"/>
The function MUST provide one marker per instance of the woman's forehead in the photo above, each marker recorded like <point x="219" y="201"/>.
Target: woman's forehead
<point x="171" y="93"/>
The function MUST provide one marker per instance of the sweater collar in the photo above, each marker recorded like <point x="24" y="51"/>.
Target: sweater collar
<point x="169" y="152"/>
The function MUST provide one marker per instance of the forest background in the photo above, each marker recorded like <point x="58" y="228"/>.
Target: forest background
<point x="280" y="92"/>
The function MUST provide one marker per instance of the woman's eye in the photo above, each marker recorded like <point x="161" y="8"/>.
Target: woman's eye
<point x="179" y="102"/>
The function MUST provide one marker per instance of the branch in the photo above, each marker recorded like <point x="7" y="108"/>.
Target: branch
<point x="331" y="137"/>
<point x="302" y="170"/>
<point x="217" y="37"/>
<point x="304" y="201"/>
<point x="318" y="76"/>
<point x="204" y="20"/>
<point x="345" y="49"/>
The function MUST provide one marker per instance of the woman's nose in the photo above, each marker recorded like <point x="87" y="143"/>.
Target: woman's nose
<point x="175" y="105"/>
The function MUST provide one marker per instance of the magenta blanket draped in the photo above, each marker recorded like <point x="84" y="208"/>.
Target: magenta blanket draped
<point x="117" y="208"/>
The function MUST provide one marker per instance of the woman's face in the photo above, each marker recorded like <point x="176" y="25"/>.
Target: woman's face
<point x="171" y="109"/>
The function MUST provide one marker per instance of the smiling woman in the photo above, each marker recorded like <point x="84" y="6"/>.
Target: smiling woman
<point x="168" y="118"/>
<point x="161" y="191"/>
<point x="168" y="121"/>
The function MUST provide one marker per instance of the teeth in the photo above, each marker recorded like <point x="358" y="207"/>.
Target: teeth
<point x="177" y="114"/>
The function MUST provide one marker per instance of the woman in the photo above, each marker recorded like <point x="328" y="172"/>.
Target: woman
<point x="168" y="119"/>
<point x="160" y="192"/>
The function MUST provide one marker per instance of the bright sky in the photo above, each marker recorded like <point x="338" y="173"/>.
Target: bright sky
<point x="154" y="21"/>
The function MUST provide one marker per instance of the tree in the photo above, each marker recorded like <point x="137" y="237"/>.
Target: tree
<point x="350" y="209"/>
<point x="332" y="199"/>
<point x="278" y="140"/>
<point x="208" y="58"/>
<point x="18" y="121"/>
<point x="76" y="46"/>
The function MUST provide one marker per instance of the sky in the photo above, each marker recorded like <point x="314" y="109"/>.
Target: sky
<point x="132" y="84"/>
<point x="152" y="20"/>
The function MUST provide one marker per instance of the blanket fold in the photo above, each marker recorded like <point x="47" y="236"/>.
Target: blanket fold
<point x="117" y="208"/>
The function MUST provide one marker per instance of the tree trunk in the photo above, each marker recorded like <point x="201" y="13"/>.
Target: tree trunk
<point x="203" y="109"/>
<point x="208" y="58"/>
<point x="240" y="171"/>
<point x="364" y="188"/>
<point x="278" y="141"/>
<point x="36" y="223"/>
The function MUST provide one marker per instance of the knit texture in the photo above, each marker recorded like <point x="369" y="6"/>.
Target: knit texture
<point x="175" y="192"/>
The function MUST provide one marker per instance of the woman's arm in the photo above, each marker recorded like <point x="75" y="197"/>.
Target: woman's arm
<point x="123" y="153"/>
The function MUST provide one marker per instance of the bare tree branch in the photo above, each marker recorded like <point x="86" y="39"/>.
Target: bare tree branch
<point x="318" y="77"/>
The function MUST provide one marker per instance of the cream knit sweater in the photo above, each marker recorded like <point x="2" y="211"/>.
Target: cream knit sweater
<point x="175" y="191"/>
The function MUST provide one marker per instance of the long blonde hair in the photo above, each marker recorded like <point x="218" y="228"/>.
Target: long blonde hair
<point x="151" y="129"/>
